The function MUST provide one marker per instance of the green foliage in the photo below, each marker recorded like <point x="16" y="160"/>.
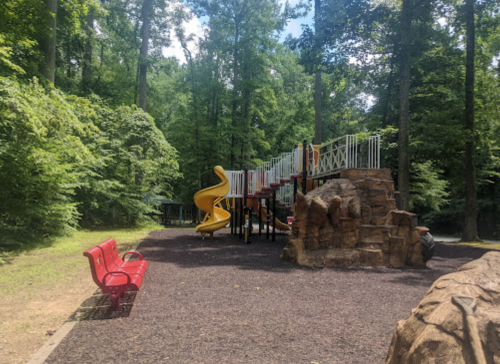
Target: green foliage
<point x="136" y="164"/>
<point x="64" y="158"/>
<point x="428" y="190"/>
<point x="42" y="159"/>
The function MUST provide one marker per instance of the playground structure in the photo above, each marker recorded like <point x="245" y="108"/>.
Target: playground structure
<point x="276" y="182"/>
<point x="209" y="200"/>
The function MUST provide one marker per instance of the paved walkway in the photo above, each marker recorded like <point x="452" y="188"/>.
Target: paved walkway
<point x="454" y="239"/>
<point x="221" y="301"/>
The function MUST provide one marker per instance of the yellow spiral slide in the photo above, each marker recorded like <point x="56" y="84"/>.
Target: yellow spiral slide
<point x="209" y="200"/>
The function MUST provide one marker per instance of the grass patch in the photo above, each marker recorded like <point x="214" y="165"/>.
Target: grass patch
<point x="62" y="262"/>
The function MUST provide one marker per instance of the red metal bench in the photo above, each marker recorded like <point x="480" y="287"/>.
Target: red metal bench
<point x="112" y="274"/>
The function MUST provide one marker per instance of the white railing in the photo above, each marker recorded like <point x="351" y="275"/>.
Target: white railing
<point x="374" y="152"/>
<point x="328" y="159"/>
<point x="286" y="167"/>
<point x="235" y="183"/>
<point x="311" y="161"/>
<point x="297" y="162"/>
<point x="336" y="155"/>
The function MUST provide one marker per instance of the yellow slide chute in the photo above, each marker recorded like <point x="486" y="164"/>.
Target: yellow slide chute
<point x="279" y="225"/>
<point x="210" y="201"/>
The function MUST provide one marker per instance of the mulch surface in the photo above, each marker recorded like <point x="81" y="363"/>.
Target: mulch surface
<point x="222" y="301"/>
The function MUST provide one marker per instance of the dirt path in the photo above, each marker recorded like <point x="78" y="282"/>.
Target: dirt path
<point x="221" y="301"/>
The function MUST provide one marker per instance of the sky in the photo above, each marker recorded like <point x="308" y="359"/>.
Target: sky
<point x="195" y="26"/>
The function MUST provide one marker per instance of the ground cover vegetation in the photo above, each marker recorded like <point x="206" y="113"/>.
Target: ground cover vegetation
<point x="95" y="119"/>
<point x="42" y="288"/>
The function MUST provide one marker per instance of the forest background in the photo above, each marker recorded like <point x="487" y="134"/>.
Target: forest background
<point x="96" y="122"/>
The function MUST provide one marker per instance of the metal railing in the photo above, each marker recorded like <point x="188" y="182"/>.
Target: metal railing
<point x="325" y="160"/>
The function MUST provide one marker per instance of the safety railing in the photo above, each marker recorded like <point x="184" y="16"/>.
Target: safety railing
<point x="336" y="155"/>
<point x="369" y="153"/>
<point x="321" y="161"/>
<point x="236" y="181"/>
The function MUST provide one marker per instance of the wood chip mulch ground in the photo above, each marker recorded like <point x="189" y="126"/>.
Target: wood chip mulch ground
<point x="222" y="301"/>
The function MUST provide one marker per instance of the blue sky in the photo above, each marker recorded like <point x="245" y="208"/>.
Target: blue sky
<point x="195" y="26"/>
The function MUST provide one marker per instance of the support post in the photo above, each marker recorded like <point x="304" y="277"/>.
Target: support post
<point x="180" y="215"/>
<point x="245" y="187"/>
<point x="232" y="217"/>
<point x="274" y="215"/>
<point x="260" y="217"/>
<point x="295" y="188"/>
<point x="241" y="218"/>
<point x="268" y="218"/>
<point x="304" y="167"/>
<point x="250" y="225"/>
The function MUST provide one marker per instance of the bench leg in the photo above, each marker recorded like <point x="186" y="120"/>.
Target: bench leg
<point x="115" y="301"/>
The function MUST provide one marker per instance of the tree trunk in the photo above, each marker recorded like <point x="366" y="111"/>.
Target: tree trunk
<point x="87" y="56"/>
<point x="470" y="222"/>
<point x="387" y="101"/>
<point x="318" y="97"/>
<point x="193" y="85"/>
<point x="235" y="95"/>
<point x="404" y="107"/>
<point x="143" y="56"/>
<point x="48" y="43"/>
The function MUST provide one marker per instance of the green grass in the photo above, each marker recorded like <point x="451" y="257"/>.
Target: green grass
<point x="53" y="266"/>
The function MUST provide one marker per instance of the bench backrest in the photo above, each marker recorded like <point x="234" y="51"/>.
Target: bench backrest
<point x="97" y="264"/>
<point x="111" y="256"/>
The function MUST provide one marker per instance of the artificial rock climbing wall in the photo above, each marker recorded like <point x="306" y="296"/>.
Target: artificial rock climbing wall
<point x="353" y="221"/>
<point x="443" y="331"/>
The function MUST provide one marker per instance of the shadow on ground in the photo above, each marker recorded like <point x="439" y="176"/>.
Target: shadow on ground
<point x="187" y="249"/>
<point x="98" y="307"/>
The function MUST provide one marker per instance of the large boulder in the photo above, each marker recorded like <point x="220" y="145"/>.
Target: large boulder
<point x="353" y="221"/>
<point x="439" y="331"/>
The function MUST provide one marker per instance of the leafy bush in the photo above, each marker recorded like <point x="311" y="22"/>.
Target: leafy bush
<point x="64" y="159"/>
<point x="136" y="163"/>
<point x="41" y="161"/>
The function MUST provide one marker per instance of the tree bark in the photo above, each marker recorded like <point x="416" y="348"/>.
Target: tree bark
<point x="387" y="101"/>
<point x="318" y="96"/>
<point x="404" y="106"/>
<point x="470" y="213"/>
<point x="48" y="43"/>
<point x="87" y="56"/>
<point x="143" y="56"/>
<point x="235" y="94"/>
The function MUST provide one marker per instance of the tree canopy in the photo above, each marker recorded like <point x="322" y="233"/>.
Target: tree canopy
<point x="77" y="147"/>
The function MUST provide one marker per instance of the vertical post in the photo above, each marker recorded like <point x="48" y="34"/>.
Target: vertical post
<point x="250" y="225"/>
<point x="232" y="217"/>
<point x="304" y="167"/>
<point x="268" y="218"/>
<point x="180" y="215"/>
<point x="274" y="215"/>
<point x="241" y="219"/>
<point x="378" y="151"/>
<point x="295" y="188"/>
<point x="245" y="187"/>
<point x="260" y="217"/>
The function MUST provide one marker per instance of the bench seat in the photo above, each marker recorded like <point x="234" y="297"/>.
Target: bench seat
<point x="114" y="276"/>
<point x="110" y="251"/>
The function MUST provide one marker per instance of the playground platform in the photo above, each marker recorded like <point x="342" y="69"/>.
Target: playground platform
<point x="221" y="301"/>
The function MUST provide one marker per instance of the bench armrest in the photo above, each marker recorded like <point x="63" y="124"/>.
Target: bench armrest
<point x="132" y="252"/>
<point x="116" y="272"/>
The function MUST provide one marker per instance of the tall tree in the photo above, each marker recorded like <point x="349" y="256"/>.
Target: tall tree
<point x="404" y="104"/>
<point x="318" y="85"/>
<point x="48" y="42"/>
<point x="143" y="55"/>
<point x="87" y="56"/>
<point x="470" y="222"/>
